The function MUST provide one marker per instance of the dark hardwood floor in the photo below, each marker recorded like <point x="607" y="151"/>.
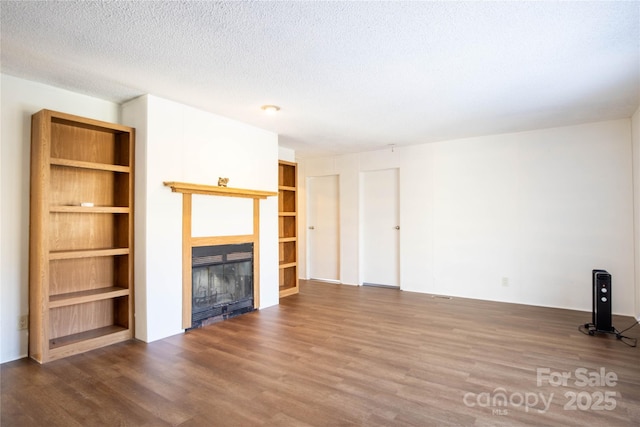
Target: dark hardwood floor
<point x="342" y="355"/>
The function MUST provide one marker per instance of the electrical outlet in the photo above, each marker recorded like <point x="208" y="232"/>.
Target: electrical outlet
<point x="505" y="282"/>
<point x="23" y="322"/>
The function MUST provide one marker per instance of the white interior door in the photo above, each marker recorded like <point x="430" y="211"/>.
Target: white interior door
<point x="380" y="228"/>
<point x="323" y="238"/>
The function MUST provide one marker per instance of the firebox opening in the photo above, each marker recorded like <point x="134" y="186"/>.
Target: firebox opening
<point x="222" y="282"/>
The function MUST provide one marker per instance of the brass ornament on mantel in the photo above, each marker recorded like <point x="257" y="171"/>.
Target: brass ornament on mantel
<point x="222" y="182"/>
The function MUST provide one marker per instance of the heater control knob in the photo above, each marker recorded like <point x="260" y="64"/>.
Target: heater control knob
<point x="603" y="299"/>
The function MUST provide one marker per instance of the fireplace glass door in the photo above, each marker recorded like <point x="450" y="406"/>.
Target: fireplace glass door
<point x="222" y="282"/>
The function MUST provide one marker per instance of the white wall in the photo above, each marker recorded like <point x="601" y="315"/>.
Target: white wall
<point x="20" y="99"/>
<point x="635" y="131"/>
<point x="540" y="208"/>
<point x="175" y="142"/>
<point x="286" y="154"/>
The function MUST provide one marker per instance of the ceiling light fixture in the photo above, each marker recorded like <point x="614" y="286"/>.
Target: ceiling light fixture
<point x="270" y="109"/>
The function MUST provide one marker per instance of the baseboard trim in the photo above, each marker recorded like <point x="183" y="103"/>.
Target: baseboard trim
<point x="379" y="285"/>
<point x="337" y="282"/>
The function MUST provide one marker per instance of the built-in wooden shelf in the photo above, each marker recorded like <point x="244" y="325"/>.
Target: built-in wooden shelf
<point x="286" y="292"/>
<point x="90" y="165"/>
<point x="288" y="264"/>
<point x="92" y="209"/>
<point x="105" y="334"/>
<point x="287" y="228"/>
<point x="80" y="257"/>
<point x="80" y="297"/>
<point x="88" y="253"/>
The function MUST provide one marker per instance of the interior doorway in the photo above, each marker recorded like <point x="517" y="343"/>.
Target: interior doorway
<point x="379" y="228"/>
<point x="323" y="229"/>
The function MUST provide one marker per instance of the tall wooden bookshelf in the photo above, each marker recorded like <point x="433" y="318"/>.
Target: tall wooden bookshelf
<point x="288" y="228"/>
<point x="81" y="235"/>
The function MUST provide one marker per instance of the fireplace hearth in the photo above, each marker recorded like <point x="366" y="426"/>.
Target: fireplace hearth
<point x="222" y="282"/>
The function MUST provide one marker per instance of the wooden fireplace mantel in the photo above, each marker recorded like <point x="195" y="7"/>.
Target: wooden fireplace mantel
<point x="212" y="190"/>
<point x="189" y="242"/>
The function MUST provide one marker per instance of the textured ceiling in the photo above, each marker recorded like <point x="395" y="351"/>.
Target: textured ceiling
<point x="349" y="76"/>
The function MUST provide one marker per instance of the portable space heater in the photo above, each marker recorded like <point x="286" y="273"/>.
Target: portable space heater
<point x="601" y="306"/>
